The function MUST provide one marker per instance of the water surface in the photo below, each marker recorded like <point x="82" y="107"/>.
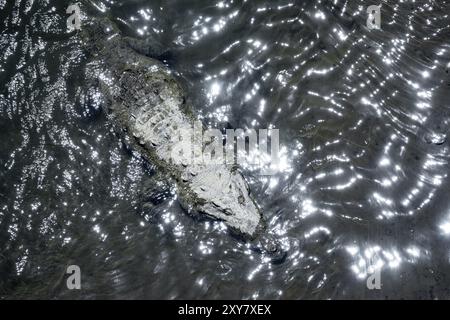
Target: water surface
<point x="363" y="118"/>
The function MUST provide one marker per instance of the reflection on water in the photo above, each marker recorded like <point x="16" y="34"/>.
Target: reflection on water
<point x="363" y="117"/>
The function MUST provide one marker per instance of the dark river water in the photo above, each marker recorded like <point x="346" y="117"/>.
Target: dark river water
<point x="362" y="185"/>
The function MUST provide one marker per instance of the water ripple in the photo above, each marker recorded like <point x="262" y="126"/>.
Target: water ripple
<point x="363" y="117"/>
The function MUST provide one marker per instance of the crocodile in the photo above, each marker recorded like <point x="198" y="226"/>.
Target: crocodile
<point x="148" y="105"/>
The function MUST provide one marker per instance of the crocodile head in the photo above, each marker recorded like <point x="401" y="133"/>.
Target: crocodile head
<point x="224" y="195"/>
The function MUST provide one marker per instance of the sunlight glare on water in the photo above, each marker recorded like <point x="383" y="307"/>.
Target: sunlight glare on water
<point x="362" y="184"/>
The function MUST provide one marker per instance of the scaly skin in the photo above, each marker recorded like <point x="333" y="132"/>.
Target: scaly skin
<point x="147" y="103"/>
